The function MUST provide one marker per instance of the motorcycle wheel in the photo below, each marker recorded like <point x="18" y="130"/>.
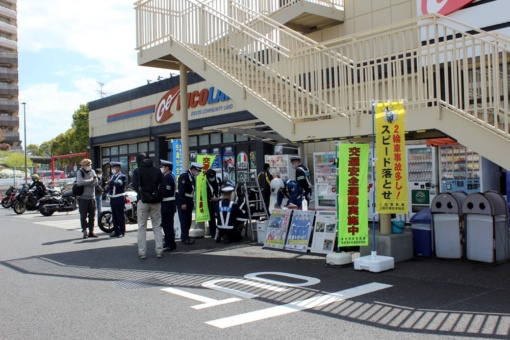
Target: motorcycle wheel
<point x="19" y="207"/>
<point x="44" y="211"/>
<point x="6" y="202"/>
<point x="105" y="222"/>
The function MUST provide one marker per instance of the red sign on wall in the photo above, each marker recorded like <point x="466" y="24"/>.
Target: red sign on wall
<point x="443" y="7"/>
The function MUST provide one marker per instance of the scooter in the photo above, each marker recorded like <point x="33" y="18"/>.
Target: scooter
<point x="58" y="201"/>
<point x="105" y="221"/>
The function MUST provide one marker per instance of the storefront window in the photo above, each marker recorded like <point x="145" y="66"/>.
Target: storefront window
<point x="203" y="140"/>
<point x="106" y="152"/>
<point x="241" y="138"/>
<point x="193" y="141"/>
<point x="228" y="138"/>
<point x="215" y="138"/>
<point x="123" y="149"/>
<point x="133" y="148"/>
<point x="142" y="147"/>
<point x="114" y="150"/>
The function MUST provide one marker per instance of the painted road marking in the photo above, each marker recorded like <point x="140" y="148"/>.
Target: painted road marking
<point x="212" y="284"/>
<point x="297" y="306"/>
<point x="207" y="302"/>
<point x="307" y="280"/>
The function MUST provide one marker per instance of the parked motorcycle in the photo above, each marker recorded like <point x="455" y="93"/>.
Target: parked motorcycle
<point x="58" y="201"/>
<point x="105" y="221"/>
<point x="25" y="200"/>
<point x="9" y="197"/>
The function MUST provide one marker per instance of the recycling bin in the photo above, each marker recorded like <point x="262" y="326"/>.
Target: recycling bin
<point x="447" y="224"/>
<point x="261" y="231"/>
<point x="486" y="218"/>
<point x="422" y="233"/>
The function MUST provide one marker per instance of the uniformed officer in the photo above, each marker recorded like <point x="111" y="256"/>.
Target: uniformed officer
<point x="168" y="205"/>
<point x="185" y="194"/>
<point x="302" y="176"/>
<point x="228" y="213"/>
<point x="116" y="190"/>
<point x="290" y="190"/>
<point x="213" y="196"/>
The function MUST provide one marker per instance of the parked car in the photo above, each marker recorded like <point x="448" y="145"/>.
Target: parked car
<point x="59" y="174"/>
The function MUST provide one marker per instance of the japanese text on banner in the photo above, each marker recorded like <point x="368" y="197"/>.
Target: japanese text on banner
<point x="202" y="213"/>
<point x="390" y="165"/>
<point x="352" y="195"/>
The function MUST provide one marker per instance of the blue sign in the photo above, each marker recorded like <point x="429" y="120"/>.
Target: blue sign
<point x="177" y="157"/>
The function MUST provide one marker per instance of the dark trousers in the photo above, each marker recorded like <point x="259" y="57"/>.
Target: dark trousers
<point x="185" y="218"/>
<point x="87" y="210"/>
<point x="212" y="220"/>
<point x="118" y="219"/>
<point x="167" y="222"/>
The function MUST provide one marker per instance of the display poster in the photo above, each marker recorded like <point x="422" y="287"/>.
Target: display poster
<point x="390" y="153"/>
<point x="253" y="160"/>
<point x="217" y="161"/>
<point x="300" y="231"/>
<point x="352" y="195"/>
<point x="277" y="228"/>
<point x="324" y="232"/>
<point x="325" y="179"/>
<point x="177" y="157"/>
<point x="279" y="166"/>
<point x="229" y="164"/>
<point x="202" y="213"/>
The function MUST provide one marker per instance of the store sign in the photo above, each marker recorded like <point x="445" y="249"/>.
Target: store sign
<point x="172" y="101"/>
<point x="242" y="161"/>
<point x="443" y="7"/>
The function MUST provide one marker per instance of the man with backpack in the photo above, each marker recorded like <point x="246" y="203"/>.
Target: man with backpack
<point x="149" y="184"/>
<point x="87" y="179"/>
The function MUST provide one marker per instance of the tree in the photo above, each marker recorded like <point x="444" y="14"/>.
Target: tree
<point x="33" y="149"/>
<point x="17" y="160"/>
<point x="80" y="125"/>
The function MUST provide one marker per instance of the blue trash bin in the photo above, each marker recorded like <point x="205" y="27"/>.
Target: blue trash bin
<point x="422" y="233"/>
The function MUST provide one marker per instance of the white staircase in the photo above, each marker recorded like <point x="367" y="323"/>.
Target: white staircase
<point x="452" y="77"/>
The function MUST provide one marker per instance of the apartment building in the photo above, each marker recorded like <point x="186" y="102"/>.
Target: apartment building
<point x="9" y="105"/>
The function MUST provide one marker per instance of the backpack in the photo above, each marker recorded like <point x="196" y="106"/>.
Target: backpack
<point x="151" y="194"/>
<point x="78" y="189"/>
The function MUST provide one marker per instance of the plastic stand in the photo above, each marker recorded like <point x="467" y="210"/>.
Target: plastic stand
<point x="374" y="263"/>
<point x="339" y="259"/>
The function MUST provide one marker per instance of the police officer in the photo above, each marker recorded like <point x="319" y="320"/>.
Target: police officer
<point x="292" y="191"/>
<point x="213" y="196"/>
<point x="228" y="213"/>
<point x="185" y="195"/>
<point x="168" y="205"/>
<point x="116" y="190"/>
<point x="302" y="176"/>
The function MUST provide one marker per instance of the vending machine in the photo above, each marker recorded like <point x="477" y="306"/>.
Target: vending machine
<point x="421" y="176"/>
<point x="463" y="169"/>
<point x="325" y="167"/>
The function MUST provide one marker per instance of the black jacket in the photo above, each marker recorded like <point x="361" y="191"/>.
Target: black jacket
<point x="147" y="178"/>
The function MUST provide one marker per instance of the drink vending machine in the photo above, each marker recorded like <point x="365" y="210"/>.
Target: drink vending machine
<point x="325" y="168"/>
<point x="463" y="169"/>
<point x="421" y="176"/>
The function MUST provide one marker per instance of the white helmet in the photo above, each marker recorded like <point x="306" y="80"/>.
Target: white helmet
<point x="276" y="184"/>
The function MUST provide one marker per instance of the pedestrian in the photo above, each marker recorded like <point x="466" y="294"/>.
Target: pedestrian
<point x="227" y="212"/>
<point x="302" y="177"/>
<point x="168" y="206"/>
<point x="213" y="196"/>
<point x="149" y="184"/>
<point x="99" y="191"/>
<point x="264" y="179"/>
<point x="87" y="178"/>
<point x="116" y="190"/>
<point x="185" y="195"/>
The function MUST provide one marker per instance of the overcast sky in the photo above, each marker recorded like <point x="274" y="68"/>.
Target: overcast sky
<point x="65" y="49"/>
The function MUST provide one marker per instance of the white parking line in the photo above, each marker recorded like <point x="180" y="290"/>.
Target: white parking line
<point x="297" y="306"/>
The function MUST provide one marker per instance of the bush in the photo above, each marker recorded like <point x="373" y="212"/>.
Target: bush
<point x="5" y="147"/>
<point x="8" y="173"/>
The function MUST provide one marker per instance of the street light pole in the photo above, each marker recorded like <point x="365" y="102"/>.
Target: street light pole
<point x="25" y="137"/>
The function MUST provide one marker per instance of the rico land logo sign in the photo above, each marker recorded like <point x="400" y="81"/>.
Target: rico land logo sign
<point x="206" y="96"/>
<point x="443" y="7"/>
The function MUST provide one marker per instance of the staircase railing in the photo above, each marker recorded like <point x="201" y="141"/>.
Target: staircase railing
<point x="424" y="61"/>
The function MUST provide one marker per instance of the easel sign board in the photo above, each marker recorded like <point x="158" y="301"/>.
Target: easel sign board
<point x="300" y="230"/>
<point x="324" y="233"/>
<point x="277" y="228"/>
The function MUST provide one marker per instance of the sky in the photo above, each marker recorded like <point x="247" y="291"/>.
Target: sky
<point x="65" y="49"/>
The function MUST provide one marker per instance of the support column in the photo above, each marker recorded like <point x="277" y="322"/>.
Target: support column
<point x="184" y="116"/>
<point x="385" y="223"/>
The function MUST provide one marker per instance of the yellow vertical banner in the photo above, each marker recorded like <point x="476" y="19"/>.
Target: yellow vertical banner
<point x="202" y="213"/>
<point x="352" y="195"/>
<point x="390" y="164"/>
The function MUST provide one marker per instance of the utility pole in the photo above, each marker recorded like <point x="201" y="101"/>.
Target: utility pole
<point x="101" y="93"/>
<point x="25" y="137"/>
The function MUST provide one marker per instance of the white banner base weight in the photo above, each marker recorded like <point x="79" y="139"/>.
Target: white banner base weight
<point x="374" y="263"/>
